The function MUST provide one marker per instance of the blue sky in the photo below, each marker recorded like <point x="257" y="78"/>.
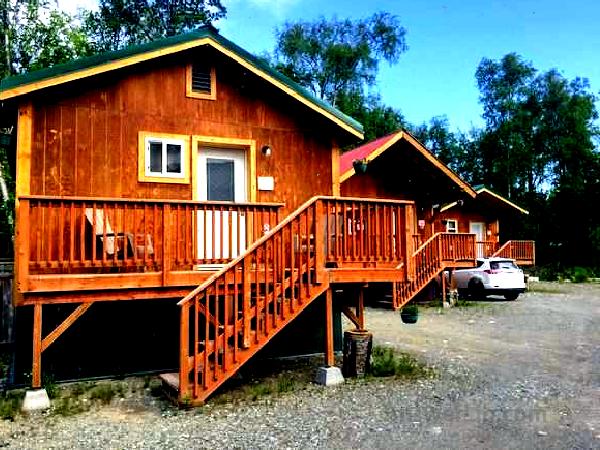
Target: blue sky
<point x="447" y="40"/>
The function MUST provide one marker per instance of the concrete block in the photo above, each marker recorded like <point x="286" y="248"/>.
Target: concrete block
<point x="329" y="376"/>
<point x="36" y="401"/>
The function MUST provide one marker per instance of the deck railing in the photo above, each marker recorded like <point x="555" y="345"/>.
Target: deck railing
<point x="80" y="235"/>
<point x="521" y="251"/>
<point x="485" y="249"/>
<point x="365" y="232"/>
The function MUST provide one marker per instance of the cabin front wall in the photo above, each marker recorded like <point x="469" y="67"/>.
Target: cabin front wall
<point x="85" y="133"/>
<point x="464" y="218"/>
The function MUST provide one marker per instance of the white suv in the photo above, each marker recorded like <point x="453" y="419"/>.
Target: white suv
<point x="499" y="276"/>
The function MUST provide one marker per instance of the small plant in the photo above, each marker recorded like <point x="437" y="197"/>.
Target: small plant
<point x="383" y="362"/>
<point x="580" y="275"/>
<point x="286" y="384"/>
<point x="410" y="313"/>
<point x="52" y="389"/>
<point x="386" y="363"/>
<point x="259" y="390"/>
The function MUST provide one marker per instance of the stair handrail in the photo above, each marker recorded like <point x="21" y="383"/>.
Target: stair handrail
<point x="426" y="243"/>
<point x="249" y="250"/>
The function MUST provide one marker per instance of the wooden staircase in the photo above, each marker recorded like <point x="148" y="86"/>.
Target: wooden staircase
<point x="231" y="316"/>
<point x="441" y="251"/>
<point x="238" y="310"/>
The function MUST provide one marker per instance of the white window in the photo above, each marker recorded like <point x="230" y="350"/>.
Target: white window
<point x="163" y="158"/>
<point x="451" y="226"/>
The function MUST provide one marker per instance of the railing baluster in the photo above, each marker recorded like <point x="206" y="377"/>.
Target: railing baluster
<point x="206" y="367"/>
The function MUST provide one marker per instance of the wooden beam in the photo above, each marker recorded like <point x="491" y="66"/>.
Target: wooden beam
<point x="55" y="334"/>
<point x="350" y="315"/>
<point x="36" y="366"/>
<point x="106" y="296"/>
<point x="365" y="275"/>
<point x="329" y="356"/>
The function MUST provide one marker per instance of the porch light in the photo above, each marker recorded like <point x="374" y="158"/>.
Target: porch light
<point x="266" y="150"/>
<point x="360" y="165"/>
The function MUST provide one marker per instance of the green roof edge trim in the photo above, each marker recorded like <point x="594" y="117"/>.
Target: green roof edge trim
<point x="204" y="32"/>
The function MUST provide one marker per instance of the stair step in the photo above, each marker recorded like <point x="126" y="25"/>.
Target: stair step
<point x="170" y="381"/>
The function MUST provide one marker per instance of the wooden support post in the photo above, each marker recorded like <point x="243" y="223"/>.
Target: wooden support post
<point x="443" y="289"/>
<point x="22" y="243"/>
<point x="36" y="369"/>
<point x="329" y="356"/>
<point x="360" y="308"/>
<point x="22" y="187"/>
<point x="184" y="332"/>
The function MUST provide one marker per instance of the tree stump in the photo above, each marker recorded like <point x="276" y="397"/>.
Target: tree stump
<point x="357" y="353"/>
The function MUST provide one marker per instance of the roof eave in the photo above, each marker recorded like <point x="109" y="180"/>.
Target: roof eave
<point x="214" y="40"/>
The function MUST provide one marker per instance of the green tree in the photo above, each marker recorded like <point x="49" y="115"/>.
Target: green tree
<point x="119" y="23"/>
<point x="337" y="58"/>
<point x="377" y="119"/>
<point x="538" y="148"/>
<point x="505" y="88"/>
<point x="36" y="35"/>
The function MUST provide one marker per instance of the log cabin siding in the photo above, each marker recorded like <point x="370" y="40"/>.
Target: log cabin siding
<point x="85" y="133"/>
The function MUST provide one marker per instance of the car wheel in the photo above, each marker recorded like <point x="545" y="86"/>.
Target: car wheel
<point x="511" y="296"/>
<point x="476" y="289"/>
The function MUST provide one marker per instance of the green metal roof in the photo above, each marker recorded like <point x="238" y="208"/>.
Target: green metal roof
<point x="107" y="58"/>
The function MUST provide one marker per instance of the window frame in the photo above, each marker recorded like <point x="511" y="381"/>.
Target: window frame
<point x="448" y="230"/>
<point x="212" y="95"/>
<point x="144" y="173"/>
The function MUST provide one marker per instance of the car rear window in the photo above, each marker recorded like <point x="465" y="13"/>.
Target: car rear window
<point x="499" y="265"/>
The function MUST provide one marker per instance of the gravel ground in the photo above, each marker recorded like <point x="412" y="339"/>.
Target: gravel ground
<point x="522" y="374"/>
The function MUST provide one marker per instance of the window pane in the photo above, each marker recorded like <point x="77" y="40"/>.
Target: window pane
<point x="173" y="158"/>
<point x="155" y="157"/>
<point x="219" y="174"/>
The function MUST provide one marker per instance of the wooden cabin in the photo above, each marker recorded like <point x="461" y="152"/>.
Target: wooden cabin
<point x="482" y="217"/>
<point x="398" y="166"/>
<point x="188" y="169"/>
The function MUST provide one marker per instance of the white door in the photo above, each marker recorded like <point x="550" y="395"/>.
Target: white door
<point x="478" y="229"/>
<point x="221" y="178"/>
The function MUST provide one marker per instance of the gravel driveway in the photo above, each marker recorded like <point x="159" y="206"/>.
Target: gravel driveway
<point x="522" y="374"/>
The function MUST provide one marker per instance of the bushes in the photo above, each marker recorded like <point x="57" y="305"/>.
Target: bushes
<point x="386" y="363"/>
<point x="553" y="272"/>
<point x="581" y="275"/>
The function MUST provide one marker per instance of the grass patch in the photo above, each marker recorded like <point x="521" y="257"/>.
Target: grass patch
<point x="545" y="289"/>
<point x="10" y="405"/>
<point x="387" y="363"/>
<point x="264" y="378"/>
<point x="105" y="392"/>
<point x="69" y="406"/>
